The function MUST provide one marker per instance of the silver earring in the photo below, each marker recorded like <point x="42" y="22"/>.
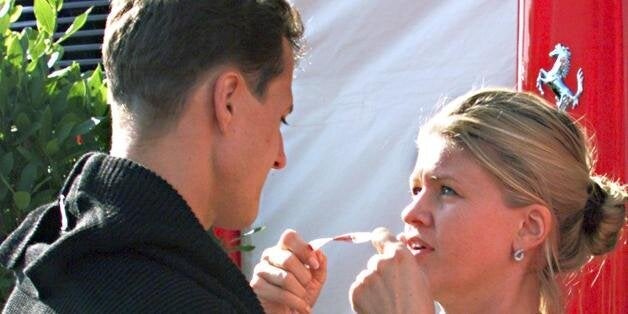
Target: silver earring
<point x="518" y="255"/>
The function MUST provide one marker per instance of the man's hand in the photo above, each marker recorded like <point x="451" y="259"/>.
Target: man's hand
<point x="289" y="276"/>
<point x="392" y="281"/>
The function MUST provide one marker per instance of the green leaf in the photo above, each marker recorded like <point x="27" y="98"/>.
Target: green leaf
<point x="252" y="231"/>
<point x="37" y="89"/>
<point x="22" y="122"/>
<point x="77" y="92"/>
<point x="4" y="24"/>
<point x="5" y="19"/>
<point x="16" y="13"/>
<point x="32" y="65"/>
<point x="100" y="104"/>
<point x="52" y="147"/>
<point x="22" y="199"/>
<point x="42" y="182"/>
<point x="54" y="57"/>
<point x="3" y="193"/>
<point x="94" y="82"/>
<point x="37" y="45"/>
<point x="15" y="54"/>
<point x="43" y="197"/>
<point x="60" y="73"/>
<point x="26" y="133"/>
<point x="6" y="86"/>
<point x="98" y="92"/>
<point x="245" y="247"/>
<point x="6" y="164"/>
<point x="69" y="117"/>
<point x="57" y="4"/>
<point x="28" y="177"/>
<point x="74" y="74"/>
<point x="46" y="124"/>
<point x="6" y="7"/>
<point x="78" y="22"/>
<point x="86" y="126"/>
<point x="64" y="131"/>
<point x="46" y="16"/>
<point x="6" y="184"/>
<point x="28" y="155"/>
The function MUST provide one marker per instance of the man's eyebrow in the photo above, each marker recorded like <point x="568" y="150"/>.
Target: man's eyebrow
<point x="291" y="108"/>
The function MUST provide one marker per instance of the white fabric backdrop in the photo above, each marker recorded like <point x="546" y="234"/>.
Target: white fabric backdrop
<point x="373" y="73"/>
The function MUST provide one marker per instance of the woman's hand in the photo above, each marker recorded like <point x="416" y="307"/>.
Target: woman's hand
<point x="289" y="276"/>
<point x="392" y="281"/>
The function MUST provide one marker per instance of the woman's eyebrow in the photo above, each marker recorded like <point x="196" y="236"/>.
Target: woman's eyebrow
<point x="443" y="177"/>
<point x="415" y="179"/>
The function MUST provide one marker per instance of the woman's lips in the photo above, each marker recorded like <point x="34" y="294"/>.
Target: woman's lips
<point x="415" y="243"/>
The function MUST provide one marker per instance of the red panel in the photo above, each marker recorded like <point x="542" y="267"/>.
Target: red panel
<point x="594" y="31"/>
<point x="229" y="240"/>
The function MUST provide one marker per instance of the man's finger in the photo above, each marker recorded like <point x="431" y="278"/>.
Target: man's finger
<point x="320" y="274"/>
<point x="280" y="278"/>
<point x="284" y="259"/>
<point x="292" y="241"/>
<point x="269" y="292"/>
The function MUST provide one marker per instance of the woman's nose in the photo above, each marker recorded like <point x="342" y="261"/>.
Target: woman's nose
<point x="417" y="213"/>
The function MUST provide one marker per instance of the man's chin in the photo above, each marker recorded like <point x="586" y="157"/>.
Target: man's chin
<point x="237" y="220"/>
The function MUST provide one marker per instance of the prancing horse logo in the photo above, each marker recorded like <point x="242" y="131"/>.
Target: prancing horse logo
<point x="554" y="78"/>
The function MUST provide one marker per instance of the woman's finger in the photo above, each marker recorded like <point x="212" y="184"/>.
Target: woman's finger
<point x="380" y="237"/>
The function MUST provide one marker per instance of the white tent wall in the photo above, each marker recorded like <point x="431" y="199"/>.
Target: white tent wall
<point x="373" y="72"/>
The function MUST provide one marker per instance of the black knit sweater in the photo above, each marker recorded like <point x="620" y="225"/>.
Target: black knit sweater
<point x="120" y="240"/>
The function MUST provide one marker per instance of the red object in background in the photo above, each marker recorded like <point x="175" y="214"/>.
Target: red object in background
<point x="228" y="238"/>
<point x="596" y="33"/>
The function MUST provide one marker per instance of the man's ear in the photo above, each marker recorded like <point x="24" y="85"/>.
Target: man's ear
<point x="534" y="227"/>
<point x="225" y="88"/>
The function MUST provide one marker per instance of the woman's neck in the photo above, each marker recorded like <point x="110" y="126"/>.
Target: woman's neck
<point x="514" y="295"/>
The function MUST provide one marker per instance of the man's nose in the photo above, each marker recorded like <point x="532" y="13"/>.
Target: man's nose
<point x="281" y="160"/>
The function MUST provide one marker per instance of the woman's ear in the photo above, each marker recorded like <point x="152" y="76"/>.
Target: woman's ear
<point x="224" y="89"/>
<point x="534" y="227"/>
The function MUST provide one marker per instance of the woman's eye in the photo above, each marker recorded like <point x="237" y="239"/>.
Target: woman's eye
<point x="447" y="191"/>
<point x="283" y="120"/>
<point x="416" y="190"/>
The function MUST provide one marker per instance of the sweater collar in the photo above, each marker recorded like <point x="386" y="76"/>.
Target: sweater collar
<point x="110" y="205"/>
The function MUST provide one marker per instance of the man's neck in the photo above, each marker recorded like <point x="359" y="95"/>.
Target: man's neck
<point x="178" y="158"/>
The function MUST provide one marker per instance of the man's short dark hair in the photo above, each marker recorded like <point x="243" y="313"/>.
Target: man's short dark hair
<point x="155" y="50"/>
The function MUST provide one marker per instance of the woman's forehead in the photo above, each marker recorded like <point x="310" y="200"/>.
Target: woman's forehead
<point x="434" y="150"/>
<point x="439" y="158"/>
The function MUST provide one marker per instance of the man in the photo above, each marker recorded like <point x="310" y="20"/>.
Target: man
<point x="198" y="90"/>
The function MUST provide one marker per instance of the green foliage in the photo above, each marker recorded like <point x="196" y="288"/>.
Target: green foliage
<point x="49" y="116"/>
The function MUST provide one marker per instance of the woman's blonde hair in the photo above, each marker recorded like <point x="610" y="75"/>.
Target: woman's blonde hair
<point x="541" y="156"/>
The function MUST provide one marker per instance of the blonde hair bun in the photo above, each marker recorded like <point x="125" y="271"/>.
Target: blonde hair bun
<point x="604" y="215"/>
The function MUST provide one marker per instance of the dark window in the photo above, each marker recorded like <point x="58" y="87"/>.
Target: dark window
<point x="84" y="46"/>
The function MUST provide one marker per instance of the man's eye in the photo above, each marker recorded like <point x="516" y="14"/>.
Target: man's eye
<point x="447" y="191"/>
<point x="283" y="120"/>
<point x="416" y="190"/>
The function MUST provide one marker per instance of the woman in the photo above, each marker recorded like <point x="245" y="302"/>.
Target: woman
<point x="503" y="200"/>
